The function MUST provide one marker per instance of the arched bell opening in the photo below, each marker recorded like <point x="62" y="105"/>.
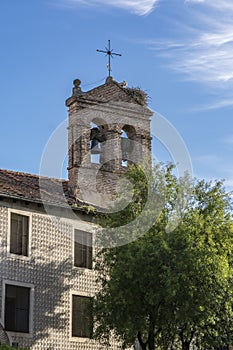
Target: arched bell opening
<point x="97" y="137"/>
<point x="128" y="134"/>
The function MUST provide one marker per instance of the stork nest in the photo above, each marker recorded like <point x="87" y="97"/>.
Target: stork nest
<point x="139" y="95"/>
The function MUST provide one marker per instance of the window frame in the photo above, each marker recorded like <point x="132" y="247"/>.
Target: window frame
<point x="23" y="213"/>
<point x="82" y="295"/>
<point x="87" y="247"/>
<point x="31" y="306"/>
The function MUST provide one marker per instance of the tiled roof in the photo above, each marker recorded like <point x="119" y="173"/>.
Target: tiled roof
<point x="34" y="188"/>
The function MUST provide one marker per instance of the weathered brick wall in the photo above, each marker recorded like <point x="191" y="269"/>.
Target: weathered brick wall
<point x="50" y="269"/>
<point x="115" y="116"/>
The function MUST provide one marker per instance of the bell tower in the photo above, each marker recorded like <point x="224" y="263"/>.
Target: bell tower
<point x="109" y="128"/>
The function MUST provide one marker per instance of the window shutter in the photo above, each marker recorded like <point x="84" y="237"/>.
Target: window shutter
<point x="25" y="234"/>
<point x="83" y="249"/>
<point x="19" y="234"/>
<point x="89" y="251"/>
<point x="14" y="246"/>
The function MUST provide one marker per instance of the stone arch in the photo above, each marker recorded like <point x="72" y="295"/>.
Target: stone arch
<point x="130" y="131"/>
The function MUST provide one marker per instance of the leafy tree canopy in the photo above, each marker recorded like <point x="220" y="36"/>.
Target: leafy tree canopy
<point x="171" y="285"/>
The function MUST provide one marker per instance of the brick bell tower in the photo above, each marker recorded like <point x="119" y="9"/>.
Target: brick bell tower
<point x="109" y="128"/>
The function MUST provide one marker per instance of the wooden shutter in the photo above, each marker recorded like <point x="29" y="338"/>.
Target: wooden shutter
<point x="83" y="249"/>
<point x="25" y="235"/>
<point x="19" y="234"/>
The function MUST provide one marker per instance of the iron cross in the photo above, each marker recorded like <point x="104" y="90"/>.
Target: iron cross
<point x="110" y="54"/>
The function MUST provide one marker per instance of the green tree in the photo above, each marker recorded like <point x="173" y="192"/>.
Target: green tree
<point x="171" y="286"/>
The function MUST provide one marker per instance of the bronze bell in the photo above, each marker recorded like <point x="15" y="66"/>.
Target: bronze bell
<point x="126" y="147"/>
<point x="95" y="147"/>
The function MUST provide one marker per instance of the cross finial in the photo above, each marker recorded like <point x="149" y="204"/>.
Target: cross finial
<point x="110" y="55"/>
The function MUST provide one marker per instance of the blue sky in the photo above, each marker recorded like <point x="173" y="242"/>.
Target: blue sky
<point x="179" y="51"/>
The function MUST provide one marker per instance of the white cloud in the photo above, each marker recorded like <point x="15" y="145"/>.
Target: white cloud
<point x="221" y="5"/>
<point x="139" y="7"/>
<point x="217" y="4"/>
<point x="205" y="54"/>
<point x="195" y="1"/>
<point x="207" y="58"/>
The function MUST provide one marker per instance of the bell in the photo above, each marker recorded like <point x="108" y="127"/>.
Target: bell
<point x="126" y="147"/>
<point x="95" y="147"/>
<point x="94" y="143"/>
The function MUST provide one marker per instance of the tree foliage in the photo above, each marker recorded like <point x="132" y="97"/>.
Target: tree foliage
<point x="171" y="287"/>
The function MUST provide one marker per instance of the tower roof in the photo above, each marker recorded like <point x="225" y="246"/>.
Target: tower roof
<point x="109" y="91"/>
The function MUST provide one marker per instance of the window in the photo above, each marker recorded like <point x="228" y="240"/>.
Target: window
<point x="82" y="318"/>
<point x="17" y="302"/>
<point x="82" y="249"/>
<point x="19" y="234"/>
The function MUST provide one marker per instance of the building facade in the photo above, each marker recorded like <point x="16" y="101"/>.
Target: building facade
<point x="47" y="277"/>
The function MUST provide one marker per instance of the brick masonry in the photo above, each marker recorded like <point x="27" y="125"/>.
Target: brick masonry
<point x="112" y="116"/>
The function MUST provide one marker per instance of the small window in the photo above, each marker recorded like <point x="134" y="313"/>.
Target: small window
<point x="124" y="163"/>
<point x="19" y="233"/>
<point x="83" y="249"/>
<point x="82" y="317"/>
<point x="17" y="301"/>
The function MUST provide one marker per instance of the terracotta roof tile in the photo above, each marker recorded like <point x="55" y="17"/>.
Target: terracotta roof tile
<point x="34" y="188"/>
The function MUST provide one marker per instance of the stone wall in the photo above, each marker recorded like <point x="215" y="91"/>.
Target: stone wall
<point x="86" y="177"/>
